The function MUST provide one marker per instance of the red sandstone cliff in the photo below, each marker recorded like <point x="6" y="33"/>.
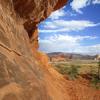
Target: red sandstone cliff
<point x="23" y="73"/>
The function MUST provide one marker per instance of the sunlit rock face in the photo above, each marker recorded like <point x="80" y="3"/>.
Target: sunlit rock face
<point x="24" y="75"/>
<point x="21" y="75"/>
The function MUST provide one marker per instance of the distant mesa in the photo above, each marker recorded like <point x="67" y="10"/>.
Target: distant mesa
<point x="61" y="56"/>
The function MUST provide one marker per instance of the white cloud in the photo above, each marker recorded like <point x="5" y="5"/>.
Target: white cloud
<point x="94" y="49"/>
<point x="70" y="13"/>
<point x="57" y="14"/>
<point x="66" y="26"/>
<point x="78" y="4"/>
<point x="96" y="1"/>
<point x="67" y="43"/>
<point x="61" y="13"/>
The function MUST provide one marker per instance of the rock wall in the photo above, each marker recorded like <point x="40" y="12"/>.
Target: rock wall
<point x="22" y="75"/>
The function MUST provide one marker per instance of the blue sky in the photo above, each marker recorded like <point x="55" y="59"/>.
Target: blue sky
<point x="75" y="28"/>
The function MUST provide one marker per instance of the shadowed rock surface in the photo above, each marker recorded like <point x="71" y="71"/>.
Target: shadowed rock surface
<point x="23" y="73"/>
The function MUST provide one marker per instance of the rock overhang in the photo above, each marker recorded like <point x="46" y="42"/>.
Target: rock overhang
<point x="33" y="12"/>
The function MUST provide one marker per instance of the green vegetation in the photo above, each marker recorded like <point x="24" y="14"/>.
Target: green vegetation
<point x="85" y="65"/>
<point x="73" y="72"/>
<point x="95" y="81"/>
<point x="99" y="69"/>
<point x="75" y="68"/>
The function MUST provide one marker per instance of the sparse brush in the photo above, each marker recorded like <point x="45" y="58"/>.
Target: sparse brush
<point x="95" y="81"/>
<point x="64" y="70"/>
<point x="99" y="69"/>
<point x="73" y="72"/>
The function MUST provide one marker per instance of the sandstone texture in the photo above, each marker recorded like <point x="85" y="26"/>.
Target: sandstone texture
<point x="24" y="75"/>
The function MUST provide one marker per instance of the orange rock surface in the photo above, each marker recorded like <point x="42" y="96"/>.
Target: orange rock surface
<point x="24" y="72"/>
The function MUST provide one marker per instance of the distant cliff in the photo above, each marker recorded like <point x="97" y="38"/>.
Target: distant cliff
<point x="24" y="72"/>
<point x="61" y="56"/>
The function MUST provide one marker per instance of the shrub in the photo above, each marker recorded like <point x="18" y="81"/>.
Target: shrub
<point x="95" y="81"/>
<point x="63" y="70"/>
<point x="99" y="69"/>
<point x="73" y="72"/>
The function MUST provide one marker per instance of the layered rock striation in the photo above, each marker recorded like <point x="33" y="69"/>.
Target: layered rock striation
<point x="24" y="75"/>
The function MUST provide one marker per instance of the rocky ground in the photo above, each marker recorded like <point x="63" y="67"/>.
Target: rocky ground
<point x="23" y="73"/>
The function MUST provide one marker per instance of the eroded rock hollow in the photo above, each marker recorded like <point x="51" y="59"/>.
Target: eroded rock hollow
<point x="33" y="12"/>
<point x="24" y="72"/>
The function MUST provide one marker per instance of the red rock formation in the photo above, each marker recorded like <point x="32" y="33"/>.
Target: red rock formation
<point x="34" y="12"/>
<point x="22" y="76"/>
